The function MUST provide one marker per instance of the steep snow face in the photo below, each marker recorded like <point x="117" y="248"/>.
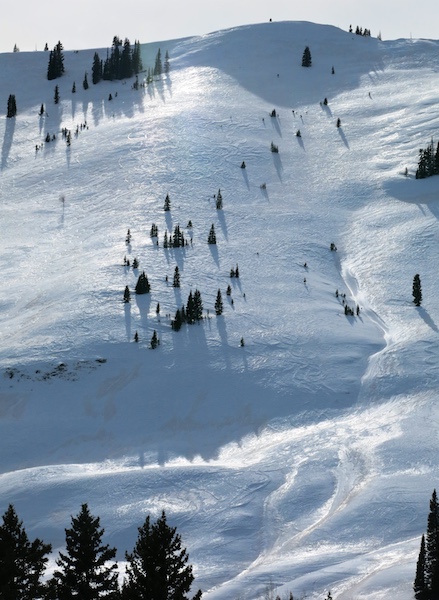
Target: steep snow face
<point x="304" y="460"/>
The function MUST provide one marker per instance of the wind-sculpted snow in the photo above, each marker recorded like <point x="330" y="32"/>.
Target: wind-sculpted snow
<point x="302" y="461"/>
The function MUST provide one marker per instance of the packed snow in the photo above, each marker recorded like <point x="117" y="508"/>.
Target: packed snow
<point x="304" y="460"/>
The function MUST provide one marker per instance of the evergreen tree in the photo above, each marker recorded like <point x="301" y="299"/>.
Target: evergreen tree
<point x="158" y="565"/>
<point x="12" y="106"/>
<point x="154" y="230"/>
<point x="167" y="204"/>
<point x="177" y="322"/>
<point x="96" y="69"/>
<point x="154" y="340"/>
<point x="41" y="113"/>
<point x="142" y="285"/>
<point x="432" y="548"/>
<point x="126" y="295"/>
<point x="219" y="200"/>
<point x="137" y="58"/>
<point x="219" y="304"/>
<point x="158" y="64"/>
<point x="56" y="95"/>
<point x="85" y="82"/>
<point x="190" y="309"/>
<point x="22" y="562"/>
<point x="166" y="66"/>
<point x="212" y="236"/>
<point x="136" y="337"/>
<point x="198" y="306"/>
<point x="306" y="58"/>
<point x="85" y="570"/>
<point x="419" y="585"/>
<point x="126" y="60"/>
<point x="417" y="291"/>
<point x="426" y="584"/>
<point x="176" y="282"/>
<point x="74" y="88"/>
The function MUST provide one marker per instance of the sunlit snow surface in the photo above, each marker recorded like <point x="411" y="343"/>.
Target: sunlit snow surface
<point x="303" y="461"/>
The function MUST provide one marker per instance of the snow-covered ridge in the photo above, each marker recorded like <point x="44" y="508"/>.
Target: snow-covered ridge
<point x="305" y="459"/>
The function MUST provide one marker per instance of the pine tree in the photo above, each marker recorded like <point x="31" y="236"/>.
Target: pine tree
<point x="166" y="66"/>
<point x="190" y="309"/>
<point x="56" y="95"/>
<point x="417" y="291"/>
<point x="219" y="304"/>
<point x="142" y="285"/>
<point x="12" y="107"/>
<point x="158" y="63"/>
<point x="85" y="82"/>
<point x="96" y="69"/>
<point x="212" y="236"/>
<point x="167" y="205"/>
<point x="419" y="585"/>
<point x="41" y="113"/>
<point x="198" y="306"/>
<point x="306" y="58"/>
<point x="126" y="62"/>
<point x="137" y="58"/>
<point x="126" y="295"/>
<point x="176" y="282"/>
<point x="426" y="584"/>
<point x="154" y="340"/>
<point x="22" y="562"/>
<point x="177" y="322"/>
<point x="86" y="569"/>
<point x="74" y="88"/>
<point x="432" y="548"/>
<point x="158" y="565"/>
<point x="219" y="200"/>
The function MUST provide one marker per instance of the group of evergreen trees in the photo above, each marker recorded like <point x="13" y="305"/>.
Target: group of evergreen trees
<point x="360" y="31"/>
<point x="428" y="162"/>
<point x="122" y="62"/>
<point x="156" y="568"/>
<point x="55" y="67"/>
<point x="192" y="313"/>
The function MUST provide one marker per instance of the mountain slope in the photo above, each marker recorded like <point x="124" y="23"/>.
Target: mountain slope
<point x="303" y="460"/>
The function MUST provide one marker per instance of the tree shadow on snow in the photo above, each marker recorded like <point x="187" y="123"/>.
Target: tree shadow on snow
<point x="244" y="174"/>
<point x="326" y="110"/>
<point x="223" y="223"/>
<point x="214" y="252"/>
<point x="278" y="164"/>
<point x="7" y="140"/>
<point x="275" y="125"/>
<point x="127" y="310"/>
<point x="300" y="142"/>
<point x="343" y="137"/>
<point x="428" y="320"/>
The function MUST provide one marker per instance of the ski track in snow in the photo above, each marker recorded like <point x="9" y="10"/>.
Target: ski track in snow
<point x="303" y="461"/>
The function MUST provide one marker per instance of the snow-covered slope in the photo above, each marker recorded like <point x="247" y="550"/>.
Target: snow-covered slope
<point x="303" y="461"/>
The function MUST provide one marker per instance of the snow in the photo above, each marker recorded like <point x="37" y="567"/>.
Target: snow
<point x="303" y="461"/>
